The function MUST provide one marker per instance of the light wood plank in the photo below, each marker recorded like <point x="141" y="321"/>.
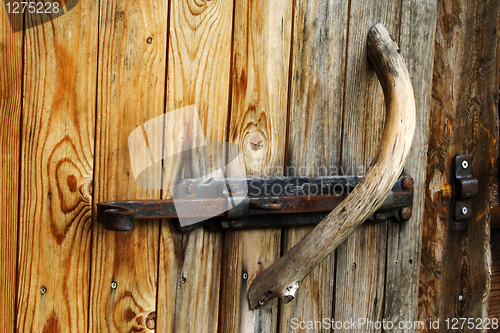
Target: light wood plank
<point x="315" y="127"/>
<point x="131" y="90"/>
<point x="403" y="247"/>
<point x="464" y="113"/>
<point x="199" y="57"/>
<point x="11" y="58"/>
<point x="261" y="54"/>
<point x="360" y="271"/>
<point x="56" y="174"/>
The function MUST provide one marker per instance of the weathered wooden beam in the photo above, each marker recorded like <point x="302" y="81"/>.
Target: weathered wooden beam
<point x="282" y="278"/>
<point x="455" y="267"/>
<point x="11" y="58"/>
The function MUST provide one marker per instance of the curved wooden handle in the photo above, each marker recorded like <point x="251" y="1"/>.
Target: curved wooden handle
<point x="282" y="278"/>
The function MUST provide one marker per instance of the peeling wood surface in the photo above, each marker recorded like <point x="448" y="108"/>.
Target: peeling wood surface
<point x="11" y="58"/>
<point x="464" y="121"/>
<point x="56" y="172"/>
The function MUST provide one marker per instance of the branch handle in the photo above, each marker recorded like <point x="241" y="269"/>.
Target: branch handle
<point x="282" y="278"/>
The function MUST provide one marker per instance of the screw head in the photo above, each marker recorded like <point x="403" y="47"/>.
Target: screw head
<point x="460" y="298"/>
<point x="261" y="302"/>
<point x="465" y="164"/>
<point x="354" y="266"/>
<point x="397" y="262"/>
<point x="407" y="183"/>
<point x="183" y="280"/>
<point x="43" y="290"/>
<point x="149" y="40"/>
<point x="114" y="285"/>
<point x="245" y="276"/>
<point x="464" y="210"/>
<point x="191" y="188"/>
<point x="405" y="213"/>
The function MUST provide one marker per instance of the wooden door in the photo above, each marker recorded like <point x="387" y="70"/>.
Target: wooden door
<point x="288" y="81"/>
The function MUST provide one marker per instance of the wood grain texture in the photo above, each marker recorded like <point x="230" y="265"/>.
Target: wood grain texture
<point x="282" y="279"/>
<point x="361" y="260"/>
<point x="259" y="85"/>
<point x="403" y="240"/>
<point x="11" y="58"/>
<point x="199" y="57"/>
<point x="315" y="126"/>
<point x="494" y="300"/>
<point x="465" y="121"/>
<point x="56" y="172"/>
<point x="131" y="89"/>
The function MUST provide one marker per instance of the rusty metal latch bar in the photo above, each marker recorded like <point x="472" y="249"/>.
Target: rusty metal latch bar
<point x="269" y="202"/>
<point x="467" y="188"/>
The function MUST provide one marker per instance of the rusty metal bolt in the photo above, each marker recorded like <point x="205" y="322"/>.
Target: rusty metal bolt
<point x="191" y="188"/>
<point x="405" y="213"/>
<point x="407" y="183"/>
<point x="151" y="320"/>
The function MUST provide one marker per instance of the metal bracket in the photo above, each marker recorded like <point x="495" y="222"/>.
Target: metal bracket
<point x="221" y="204"/>
<point x="467" y="188"/>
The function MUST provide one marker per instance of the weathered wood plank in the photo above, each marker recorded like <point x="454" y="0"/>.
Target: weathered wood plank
<point x="259" y="85"/>
<point x="465" y="120"/>
<point x="131" y="89"/>
<point x="56" y="173"/>
<point x="315" y="126"/>
<point x="199" y="57"/>
<point x="361" y="259"/>
<point x="494" y="300"/>
<point x="417" y="30"/>
<point x="11" y="58"/>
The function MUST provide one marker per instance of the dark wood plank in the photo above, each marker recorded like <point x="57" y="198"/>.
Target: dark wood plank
<point x="464" y="120"/>
<point x="60" y="62"/>
<point x="11" y="58"/>
<point x="418" y="21"/>
<point x="131" y="90"/>
<point x="315" y="127"/>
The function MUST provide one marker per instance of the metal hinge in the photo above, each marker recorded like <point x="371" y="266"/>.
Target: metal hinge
<point x="241" y="203"/>
<point x="467" y="188"/>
